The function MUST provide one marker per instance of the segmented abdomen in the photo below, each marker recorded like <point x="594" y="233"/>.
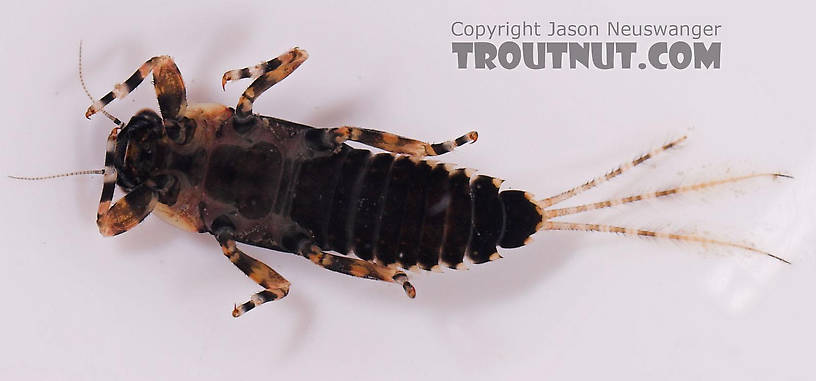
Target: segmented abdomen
<point x="400" y="210"/>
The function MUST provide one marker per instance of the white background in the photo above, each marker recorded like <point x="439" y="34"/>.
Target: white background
<point x="155" y="303"/>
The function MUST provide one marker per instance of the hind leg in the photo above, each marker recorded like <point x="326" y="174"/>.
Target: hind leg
<point x="358" y="268"/>
<point x="391" y="142"/>
<point x="275" y="286"/>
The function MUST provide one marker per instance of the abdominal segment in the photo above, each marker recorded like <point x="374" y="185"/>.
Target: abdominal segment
<point x="399" y="210"/>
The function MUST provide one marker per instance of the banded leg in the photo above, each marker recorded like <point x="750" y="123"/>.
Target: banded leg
<point x="275" y="286"/>
<point x="128" y="211"/>
<point x="552" y="213"/>
<point x="267" y="74"/>
<point x="359" y="268"/>
<point x="110" y="175"/>
<point x="167" y="81"/>
<point x="598" y="180"/>
<point x="553" y="225"/>
<point x="394" y="143"/>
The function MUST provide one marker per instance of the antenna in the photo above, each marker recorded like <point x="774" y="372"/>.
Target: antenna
<point x="77" y="173"/>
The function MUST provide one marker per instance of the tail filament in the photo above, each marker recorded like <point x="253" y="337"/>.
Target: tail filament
<point x="548" y="214"/>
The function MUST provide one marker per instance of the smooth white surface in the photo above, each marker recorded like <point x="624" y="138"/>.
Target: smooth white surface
<point x="155" y="303"/>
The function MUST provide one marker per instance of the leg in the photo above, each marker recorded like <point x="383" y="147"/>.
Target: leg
<point x="358" y="268"/>
<point x="113" y="119"/>
<point x="393" y="143"/>
<point x="275" y="286"/>
<point x="594" y="182"/>
<point x="645" y="196"/>
<point x="109" y="182"/>
<point x="267" y="74"/>
<point x="167" y="80"/>
<point x="552" y="225"/>
<point x="130" y="210"/>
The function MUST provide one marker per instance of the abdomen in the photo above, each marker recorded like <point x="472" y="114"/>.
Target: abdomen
<point x="396" y="209"/>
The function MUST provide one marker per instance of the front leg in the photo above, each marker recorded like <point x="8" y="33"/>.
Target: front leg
<point x="130" y="210"/>
<point x="167" y="80"/>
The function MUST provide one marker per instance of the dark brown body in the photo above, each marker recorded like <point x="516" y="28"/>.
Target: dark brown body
<point x="276" y="185"/>
<point x="267" y="182"/>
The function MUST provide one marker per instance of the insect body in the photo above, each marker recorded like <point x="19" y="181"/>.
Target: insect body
<point x="267" y="182"/>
